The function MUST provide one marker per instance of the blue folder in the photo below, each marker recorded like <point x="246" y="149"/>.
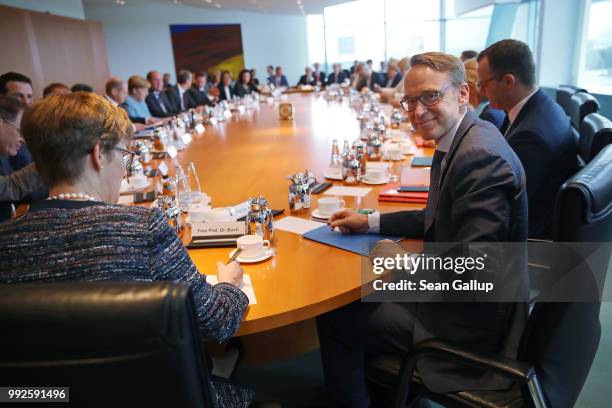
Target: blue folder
<point x="360" y="244"/>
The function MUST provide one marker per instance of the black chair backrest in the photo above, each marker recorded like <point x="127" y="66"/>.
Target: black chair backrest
<point x="581" y="104"/>
<point x="583" y="209"/>
<point x="113" y="344"/>
<point x="595" y="134"/>
<point x="562" y="337"/>
<point x="564" y="94"/>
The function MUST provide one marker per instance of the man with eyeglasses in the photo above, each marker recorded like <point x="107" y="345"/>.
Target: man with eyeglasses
<point x="536" y="127"/>
<point x="476" y="194"/>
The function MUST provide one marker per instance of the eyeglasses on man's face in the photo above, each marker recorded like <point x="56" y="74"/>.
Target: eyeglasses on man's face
<point x="427" y="99"/>
<point x="11" y="124"/>
<point x="480" y="84"/>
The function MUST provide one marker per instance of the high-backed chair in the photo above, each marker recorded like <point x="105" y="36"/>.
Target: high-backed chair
<point x="564" y="94"/>
<point x="113" y="344"/>
<point x="581" y="104"/>
<point x="595" y="134"/>
<point x="561" y="338"/>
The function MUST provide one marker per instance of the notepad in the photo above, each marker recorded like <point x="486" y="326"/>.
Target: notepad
<point x="422" y="161"/>
<point x="348" y="191"/>
<point x="361" y="244"/>
<point x="246" y="286"/>
<point x="296" y="225"/>
<point x="390" y="193"/>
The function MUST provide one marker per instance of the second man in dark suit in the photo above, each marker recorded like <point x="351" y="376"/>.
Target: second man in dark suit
<point x="536" y="127"/>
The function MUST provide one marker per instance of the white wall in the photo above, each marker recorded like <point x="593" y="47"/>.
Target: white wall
<point x="67" y="8"/>
<point x="138" y="36"/>
<point x="560" y="38"/>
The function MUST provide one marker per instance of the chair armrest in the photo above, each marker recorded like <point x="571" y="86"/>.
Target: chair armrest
<point x="539" y="240"/>
<point x="506" y="367"/>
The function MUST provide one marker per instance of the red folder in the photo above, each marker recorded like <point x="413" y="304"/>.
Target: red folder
<point x="390" y="193"/>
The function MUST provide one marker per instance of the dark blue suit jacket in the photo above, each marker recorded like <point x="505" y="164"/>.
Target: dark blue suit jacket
<point x="331" y="79"/>
<point x="495" y="116"/>
<point x="482" y="198"/>
<point x="155" y="107"/>
<point x="541" y="136"/>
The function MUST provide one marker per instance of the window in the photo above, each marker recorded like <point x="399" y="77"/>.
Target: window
<point x="596" y="70"/>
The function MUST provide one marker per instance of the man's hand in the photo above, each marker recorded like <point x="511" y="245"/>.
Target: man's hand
<point x="349" y="221"/>
<point x="230" y="273"/>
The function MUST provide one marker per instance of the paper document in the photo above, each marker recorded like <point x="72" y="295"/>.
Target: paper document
<point x="296" y="225"/>
<point x="348" y="191"/>
<point x="246" y="287"/>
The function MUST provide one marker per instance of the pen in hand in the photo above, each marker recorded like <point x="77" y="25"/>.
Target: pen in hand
<point x="235" y="256"/>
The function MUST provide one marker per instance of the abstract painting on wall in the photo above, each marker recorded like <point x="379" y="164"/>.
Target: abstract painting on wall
<point x="207" y="47"/>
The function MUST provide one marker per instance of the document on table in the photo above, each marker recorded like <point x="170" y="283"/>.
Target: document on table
<point x="348" y="191"/>
<point x="296" y="225"/>
<point x="246" y="286"/>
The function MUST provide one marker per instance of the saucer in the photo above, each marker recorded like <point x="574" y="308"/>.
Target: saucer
<point x="332" y="175"/>
<point x="267" y="253"/>
<point x="375" y="183"/>
<point x="316" y="214"/>
<point x="128" y="188"/>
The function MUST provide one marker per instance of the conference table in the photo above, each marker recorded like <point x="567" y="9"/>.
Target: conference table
<point x="251" y="154"/>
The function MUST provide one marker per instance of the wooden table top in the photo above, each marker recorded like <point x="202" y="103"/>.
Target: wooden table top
<point x="251" y="155"/>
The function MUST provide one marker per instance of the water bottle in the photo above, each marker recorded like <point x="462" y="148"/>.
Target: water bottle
<point x="182" y="189"/>
<point x="194" y="183"/>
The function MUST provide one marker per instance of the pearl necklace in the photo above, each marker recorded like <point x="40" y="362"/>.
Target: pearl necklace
<point x="72" y="196"/>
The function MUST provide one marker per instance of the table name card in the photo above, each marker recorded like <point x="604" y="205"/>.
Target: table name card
<point x="199" y="128"/>
<point x="163" y="168"/>
<point x="218" y="230"/>
<point x="172" y="151"/>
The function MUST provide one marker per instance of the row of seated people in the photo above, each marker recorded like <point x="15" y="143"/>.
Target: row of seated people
<point x="494" y="177"/>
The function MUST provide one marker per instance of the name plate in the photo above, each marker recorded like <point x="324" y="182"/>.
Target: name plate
<point x="186" y="138"/>
<point x="199" y="128"/>
<point x="172" y="152"/>
<point x="214" y="230"/>
<point x="163" y="168"/>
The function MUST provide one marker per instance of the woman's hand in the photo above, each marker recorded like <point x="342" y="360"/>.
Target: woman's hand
<point x="230" y="273"/>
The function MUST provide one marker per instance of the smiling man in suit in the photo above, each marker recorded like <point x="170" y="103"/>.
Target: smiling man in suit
<point x="157" y="101"/>
<point x="536" y="127"/>
<point x="477" y="194"/>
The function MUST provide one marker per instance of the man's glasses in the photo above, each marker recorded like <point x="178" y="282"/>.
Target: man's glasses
<point x="479" y="84"/>
<point x="128" y="156"/>
<point x="11" y="124"/>
<point x="427" y="99"/>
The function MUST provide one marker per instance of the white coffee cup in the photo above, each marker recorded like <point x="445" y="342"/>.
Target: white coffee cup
<point x="329" y="205"/>
<point x="198" y="212"/>
<point x="219" y="214"/>
<point x="138" y="181"/>
<point x="376" y="174"/>
<point x="252" y="245"/>
<point x="394" y="152"/>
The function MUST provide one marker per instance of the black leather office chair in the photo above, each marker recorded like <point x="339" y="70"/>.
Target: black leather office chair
<point x="595" y="134"/>
<point x="581" y="104"/>
<point x="113" y="344"/>
<point x="561" y="338"/>
<point x="564" y="94"/>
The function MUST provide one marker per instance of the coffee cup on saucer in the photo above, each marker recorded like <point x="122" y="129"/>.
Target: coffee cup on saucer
<point x="329" y="205"/>
<point x="219" y="214"/>
<point x="252" y="246"/>
<point x="376" y="174"/>
<point x="198" y="212"/>
<point x="139" y="181"/>
<point x="394" y="152"/>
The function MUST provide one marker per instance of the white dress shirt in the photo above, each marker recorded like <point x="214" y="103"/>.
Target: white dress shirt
<point x="443" y="144"/>
<point x="516" y="109"/>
